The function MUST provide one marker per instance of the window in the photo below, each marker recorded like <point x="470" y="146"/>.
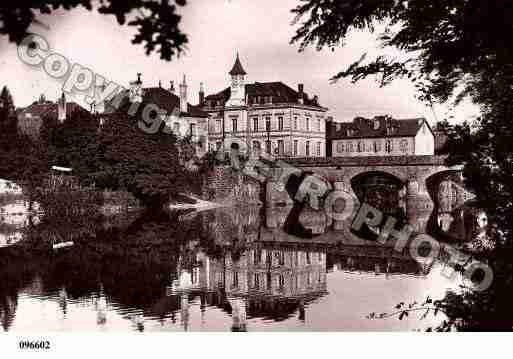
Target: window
<point x="388" y="146"/>
<point x="359" y="146"/>
<point x="281" y="258"/>
<point x="281" y="281"/>
<point x="281" y="148"/>
<point x="318" y="148"/>
<point x="268" y="147"/>
<point x="256" y="281"/>
<point x="268" y="124"/>
<point x="295" y="147"/>
<point x="404" y="145"/>
<point x="308" y="259"/>
<point x="307" y="124"/>
<point x="376" y="147"/>
<point x="295" y="122"/>
<point x="218" y="145"/>
<point x="236" y="279"/>
<point x="192" y="129"/>
<point x="280" y="123"/>
<point x="307" y="148"/>
<point x="255" y="124"/>
<point x="257" y="256"/>
<point x="234" y="124"/>
<point x="219" y="126"/>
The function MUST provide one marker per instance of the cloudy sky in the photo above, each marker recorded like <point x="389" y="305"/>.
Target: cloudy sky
<point x="259" y="30"/>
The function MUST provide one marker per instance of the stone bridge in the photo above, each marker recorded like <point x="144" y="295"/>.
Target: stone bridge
<point x="415" y="173"/>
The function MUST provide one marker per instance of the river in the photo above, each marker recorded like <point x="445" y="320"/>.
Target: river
<point x="217" y="270"/>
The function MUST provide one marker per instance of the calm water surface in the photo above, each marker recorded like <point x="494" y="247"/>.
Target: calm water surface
<point x="221" y="270"/>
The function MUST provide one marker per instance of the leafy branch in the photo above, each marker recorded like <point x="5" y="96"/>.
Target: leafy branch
<point x="157" y="21"/>
<point x="402" y="311"/>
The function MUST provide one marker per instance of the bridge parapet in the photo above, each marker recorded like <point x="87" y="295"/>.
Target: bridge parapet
<point x="366" y="161"/>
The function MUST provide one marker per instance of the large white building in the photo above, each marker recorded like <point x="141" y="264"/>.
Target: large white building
<point x="268" y="116"/>
<point x="380" y="136"/>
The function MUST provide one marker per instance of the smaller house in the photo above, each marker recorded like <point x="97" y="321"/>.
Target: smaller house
<point x="30" y="119"/>
<point x="380" y="136"/>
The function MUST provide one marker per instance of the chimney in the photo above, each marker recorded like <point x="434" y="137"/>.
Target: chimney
<point x="183" y="95"/>
<point x="61" y="108"/>
<point x="136" y="90"/>
<point x="172" y="86"/>
<point x="301" y="93"/>
<point x="201" y="95"/>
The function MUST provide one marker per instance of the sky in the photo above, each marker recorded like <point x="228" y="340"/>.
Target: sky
<point x="217" y="29"/>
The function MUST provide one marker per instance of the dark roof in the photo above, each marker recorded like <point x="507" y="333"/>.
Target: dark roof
<point x="170" y="102"/>
<point x="280" y="93"/>
<point x="379" y="126"/>
<point x="48" y="108"/>
<point x="237" y="68"/>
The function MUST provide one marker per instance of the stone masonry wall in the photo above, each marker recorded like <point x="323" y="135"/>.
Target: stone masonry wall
<point x="229" y="186"/>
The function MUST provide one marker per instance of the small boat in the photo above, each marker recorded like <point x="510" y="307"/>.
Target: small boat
<point x="57" y="246"/>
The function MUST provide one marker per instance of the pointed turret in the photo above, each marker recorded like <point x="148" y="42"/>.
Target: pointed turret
<point x="238" y="84"/>
<point x="237" y="68"/>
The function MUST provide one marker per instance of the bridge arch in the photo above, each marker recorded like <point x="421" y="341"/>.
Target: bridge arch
<point x="435" y="180"/>
<point x="380" y="189"/>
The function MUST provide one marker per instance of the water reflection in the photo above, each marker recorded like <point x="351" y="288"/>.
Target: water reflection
<point x="247" y="268"/>
<point x="217" y="270"/>
<point x="16" y="214"/>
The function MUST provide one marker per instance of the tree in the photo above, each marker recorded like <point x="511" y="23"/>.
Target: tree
<point x="157" y="21"/>
<point x="73" y="143"/>
<point x="145" y="164"/>
<point x="450" y="49"/>
<point x="446" y="43"/>
<point x="8" y="121"/>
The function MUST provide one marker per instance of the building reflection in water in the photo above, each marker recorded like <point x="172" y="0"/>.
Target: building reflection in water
<point x="265" y="280"/>
<point x="276" y="275"/>
<point x="240" y="260"/>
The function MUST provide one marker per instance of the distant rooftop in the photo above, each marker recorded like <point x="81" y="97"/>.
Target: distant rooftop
<point x="277" y="91"/>
<point x="379" y="126"/>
